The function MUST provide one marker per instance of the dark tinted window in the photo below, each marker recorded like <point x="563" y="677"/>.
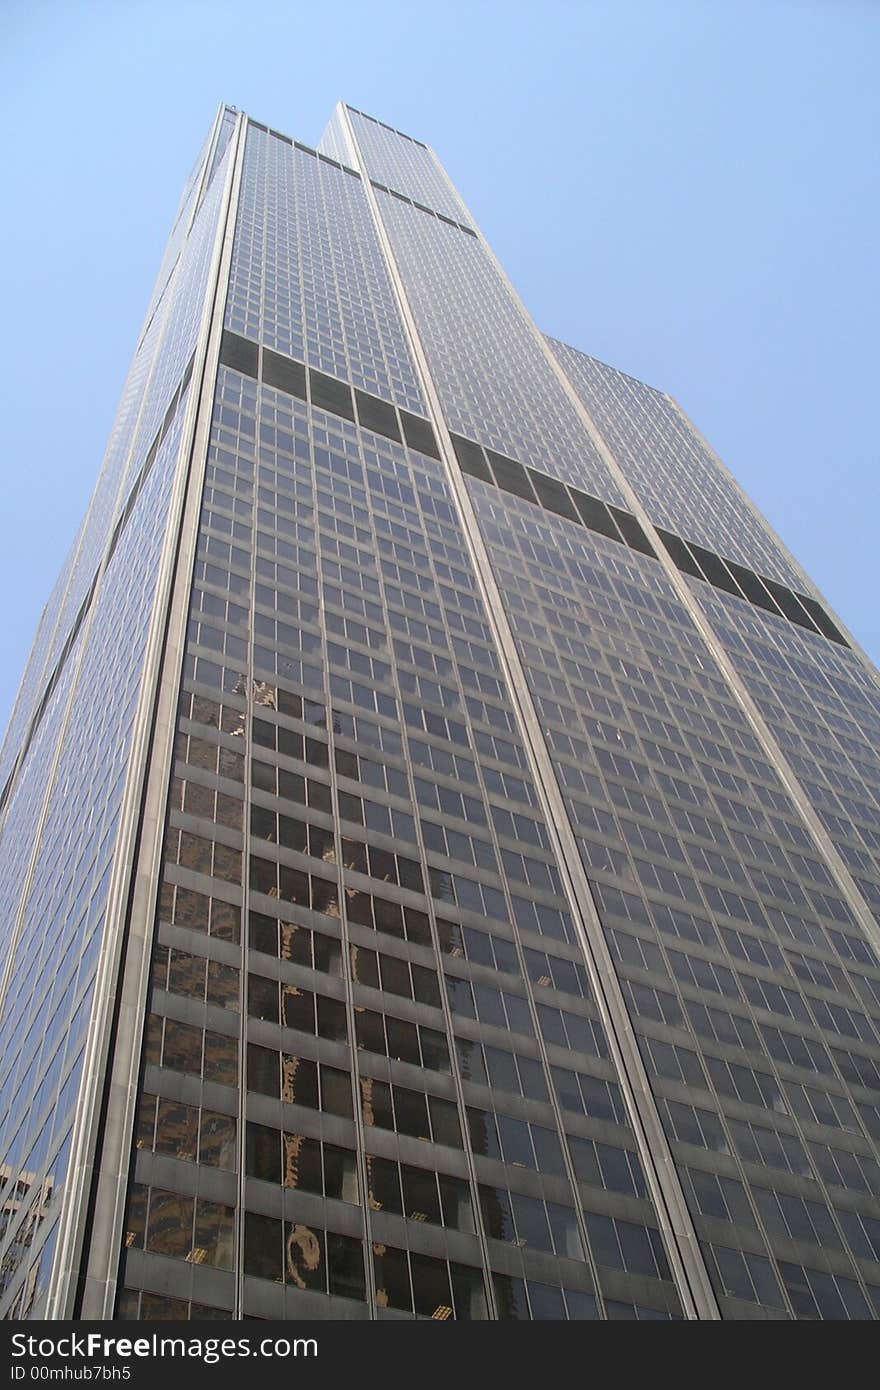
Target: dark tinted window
<point x="376" y="415"/>
<point x="471" y="458"/>
<point x="331" y="395"/>
<point x="511" y="476"/>
<point x="284" y="374"/>
<point x="239" y="353"/>
<point x="418" y="434"/>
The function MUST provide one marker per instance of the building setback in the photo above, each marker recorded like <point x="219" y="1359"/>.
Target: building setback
<point x="440" y="821"/>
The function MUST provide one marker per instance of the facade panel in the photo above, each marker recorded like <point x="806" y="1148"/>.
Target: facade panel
<point x="494" y="379"/>
<point x="308" y="278"/>
<point x="707" y="884"/>
<point x="681" y="483"/>
<point x="389" y="157"/>
<point x="56" y="935"/>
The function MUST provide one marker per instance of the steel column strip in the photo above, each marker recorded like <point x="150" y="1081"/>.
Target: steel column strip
<point x="107" y="1119"/>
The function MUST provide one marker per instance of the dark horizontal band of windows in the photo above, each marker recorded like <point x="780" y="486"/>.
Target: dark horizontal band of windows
<point x="402" y="198"/>
<point x="764" y="593"/>
<point x="304" y="149"/>
<point x="622" y="526"/>
<point x="551" y="494"/>
<point x="86" y="604"/>
<point x="327" y="393"/>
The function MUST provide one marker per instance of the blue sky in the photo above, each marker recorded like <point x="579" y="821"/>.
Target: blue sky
<point x="687" y="189"/>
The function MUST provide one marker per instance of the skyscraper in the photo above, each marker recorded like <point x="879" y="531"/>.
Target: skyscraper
<point x="441" y="841"/>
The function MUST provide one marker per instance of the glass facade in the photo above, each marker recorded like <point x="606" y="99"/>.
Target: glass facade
<point x="512" y="945"/>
